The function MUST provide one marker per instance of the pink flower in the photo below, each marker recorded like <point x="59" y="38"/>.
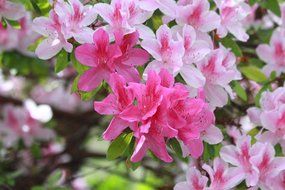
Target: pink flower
<point x="105" y="58"/>
<point x="197" y="14"/>
<point x="194" y="121"/>
<point x="222" y="177"/>
<point x="75" y="18"/>
<point x="126" y="16"/>
<point x="267" y="164"/>
<point x="167" y="52"/>
<point x="195" y="181"/>
<point x="56" y="39"/>
<point x="273" y="54"/>
<point x="11" y="10"/>
<point x="256" y="162"/>
<point x="233" y="13"/>
<point x="239" y="156"/>
<point x="196" y="49"/>
<point x="65" y="21"/>
<point x="271" y="116"/>
<point x="278" y="183"/>
<point x="219" y="69"/>
<point x="19" y="124"/>
<point x="114" y="104"/>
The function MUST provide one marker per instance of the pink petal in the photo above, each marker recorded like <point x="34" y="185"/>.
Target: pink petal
<point x="115" y="128"/>
<point x="108" y="106"/>
<point x="48" y="48"/>
<point x="196" y="148"/>
<point x="137" y="57"/>
<point x="85" y="54"/>
<point x="91" y="79"/>
<point x="140" y="150"/>
<point x="213" y="135"/>
<point x="192" y="76"/>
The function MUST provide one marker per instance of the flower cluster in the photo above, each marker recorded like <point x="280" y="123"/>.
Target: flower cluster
<point x="157" y="110"/>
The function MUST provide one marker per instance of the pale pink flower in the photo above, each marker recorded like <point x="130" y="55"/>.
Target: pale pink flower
<point x="105" y="58"/>
<point x="19" y="124"/>
<point x="196" y="49"/>
<point x="126" y="16"/>
<point x="233" y="13"/>
<point x="271" y="116"/>
<point x="240" y="156"/>
<point x="11" y="10"/>
<point x="222" y="176"/>
<point x="219" y="69"/>
<point x="278" y="183"/>
<point x="195" y="181"/>
<point x="76" y="18"/>
<point x="197" y="14"/>
<point x="273" y="54"/>
<point x="269" y="166"/>
<point x="51" y="28"/>
<point x="167" y="52"/>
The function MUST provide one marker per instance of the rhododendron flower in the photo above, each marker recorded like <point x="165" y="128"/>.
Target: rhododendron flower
<point x="114" y="104"/>
<point x="56" y="39"/>
<point x="271" y="116"/>
<point x="142" y="108"/>
<point x="239" y="156"/>
<point x="197" y="14"/>
<point x="195" y="181"/>
<point x="167" y="52"/>
<point x="195" y="50"/>
<point x="219" y="69"/>
<point x="223" y="177"/>
<point x="194" y="121"/>
<point x="232" y="15"/>
<point x="273" y="54"/>
<point x="105" y="58"/>
<point x="65" y="21"/>
<point x="75" y="17"/>
<point x="256" y="162"/>
<point x="11" y="10"/>
<point x="18" y="124"/>
<point x="126" y="16"/>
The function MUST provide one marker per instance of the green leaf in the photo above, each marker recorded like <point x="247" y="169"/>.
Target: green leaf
<point x="78" y="67"/>
<point x="119" y="146"/>
<point x="239" y="90"/>
<point x="253" y="73"/>
<point x="175" y="146"/>
<point x="36" y="7"/>
<point x="228" y="42"/>
<point x="252" y="2"/>
<point x="36" y="150"/>
<point x="273" y="6"/>
<point x="258" y="95"/>
<point x="61" y="61"/>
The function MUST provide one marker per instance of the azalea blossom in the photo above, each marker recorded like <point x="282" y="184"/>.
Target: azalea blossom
<point x="8" y="38"/>
<point x="233" y="13"/>
<point x="271" y="116"/>
<point x="11" y="10"/>
<point x="56" y="39"/>
<point x="219" y="69"/>
<point x="141" y="107"/>
<point x="273" y="53"/>
<point x="105" y="58"/>
<point x="19" y="124"/>
<point x="65" y="21"/>
<point x="195" y="181"/>
<point x="257" y="162"/>
<point x="75" y="19"/>
<point x="197" y="13"/>
<point x="114" y="104"/>
<point x="196" y="49"/>
<point x="222" y="176"/>
<point x="126" y="16"/>
<point x="167" y="52"/>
